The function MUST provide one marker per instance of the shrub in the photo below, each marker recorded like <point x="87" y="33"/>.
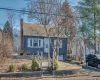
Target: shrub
<point x="56" y="65"/>
<point x="12" y="68"/>
<point x="35" y="64"/>
<point x="82" y="62"/>
<point x="24" y="67"/>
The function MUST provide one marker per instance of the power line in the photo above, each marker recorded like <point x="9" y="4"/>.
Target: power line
<point x="27" y="12"/>
<point x="40" y="2"/>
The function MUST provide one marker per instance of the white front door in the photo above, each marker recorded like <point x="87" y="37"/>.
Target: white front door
<point x="46" y="45"/>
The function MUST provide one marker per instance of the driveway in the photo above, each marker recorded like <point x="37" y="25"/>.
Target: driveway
<point x="94" y="72"/>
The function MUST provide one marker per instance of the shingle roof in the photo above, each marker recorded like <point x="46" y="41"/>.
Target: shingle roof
<point x="40" y="30"/>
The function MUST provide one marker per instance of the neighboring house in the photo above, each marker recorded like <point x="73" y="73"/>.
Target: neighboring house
<point x="78" y="47"/>
<point x="34" y="39"/>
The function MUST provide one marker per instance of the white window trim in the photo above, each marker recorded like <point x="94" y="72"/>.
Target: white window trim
<point x="41" y="43"/>
<point x="28" y="43"/>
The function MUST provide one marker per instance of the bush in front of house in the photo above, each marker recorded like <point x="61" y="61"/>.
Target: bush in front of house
<point x="12" y="68"/>
<point x="56" y="65"/>
<point x="35" y="64"/>
<point x="24" y="67"/>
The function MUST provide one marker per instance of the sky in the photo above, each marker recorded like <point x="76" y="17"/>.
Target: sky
<point x="18" y="4"/>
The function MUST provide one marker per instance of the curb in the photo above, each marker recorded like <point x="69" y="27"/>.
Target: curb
<point x="92" y="68"/>
<point x="37" y="74"/>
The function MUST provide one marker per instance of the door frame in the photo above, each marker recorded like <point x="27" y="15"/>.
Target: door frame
<point x="46" y="45"/>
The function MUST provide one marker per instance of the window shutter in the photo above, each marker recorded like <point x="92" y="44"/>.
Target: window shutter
<point x="41" y="43"/>
<point x="55" y="41"/>
<point x="28" y="43"/>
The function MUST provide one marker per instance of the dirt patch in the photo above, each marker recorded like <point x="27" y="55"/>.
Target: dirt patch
<point x="16" y="61"/>
<point x="67" y="66"/>
<point x="19" y="60"/>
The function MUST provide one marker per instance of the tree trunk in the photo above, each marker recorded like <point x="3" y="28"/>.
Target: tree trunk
<point x="49" y="62"/>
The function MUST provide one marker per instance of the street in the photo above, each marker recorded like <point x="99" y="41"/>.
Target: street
<point x="94" y="75"/>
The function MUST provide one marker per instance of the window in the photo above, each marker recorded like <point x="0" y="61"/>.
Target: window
<point x="60" y="43"/>
<point x="35" y="43"/>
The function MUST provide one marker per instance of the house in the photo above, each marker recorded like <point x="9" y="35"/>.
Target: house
<point x="34" y="39"/>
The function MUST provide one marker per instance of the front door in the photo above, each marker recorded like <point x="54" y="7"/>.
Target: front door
<point x="46" y="45"/>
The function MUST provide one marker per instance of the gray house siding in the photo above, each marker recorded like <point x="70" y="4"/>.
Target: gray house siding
<point x="62" y="51"/>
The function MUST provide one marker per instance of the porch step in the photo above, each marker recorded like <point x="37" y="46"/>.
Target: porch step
<point x="46" y="74"/>
<point x="44" y="68"/>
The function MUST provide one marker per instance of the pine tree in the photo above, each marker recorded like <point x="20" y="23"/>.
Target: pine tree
<point x="90" y="14"/>
<point x="7" y="29"/>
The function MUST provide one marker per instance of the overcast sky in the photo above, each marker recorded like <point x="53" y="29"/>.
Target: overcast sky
<point x="18" y="4"/>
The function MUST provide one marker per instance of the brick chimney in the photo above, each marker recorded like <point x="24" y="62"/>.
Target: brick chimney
<point x="21" y="37"/>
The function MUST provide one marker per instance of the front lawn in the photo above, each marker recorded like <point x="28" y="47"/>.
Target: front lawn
<point x="18" y="61"/>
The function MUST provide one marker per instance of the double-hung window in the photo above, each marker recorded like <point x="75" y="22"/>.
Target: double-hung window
<point x="35" y="43"/>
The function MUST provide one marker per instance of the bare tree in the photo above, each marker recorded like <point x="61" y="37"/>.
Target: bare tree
<point x="47" y="11"/>
<point x="69" y="24"/>
<point x="11" y="19"/>
<point x="5" y="47"/>
<point x="52" y="12"/>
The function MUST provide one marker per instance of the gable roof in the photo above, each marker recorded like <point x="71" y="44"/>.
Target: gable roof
<point x="40" y="30"/>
